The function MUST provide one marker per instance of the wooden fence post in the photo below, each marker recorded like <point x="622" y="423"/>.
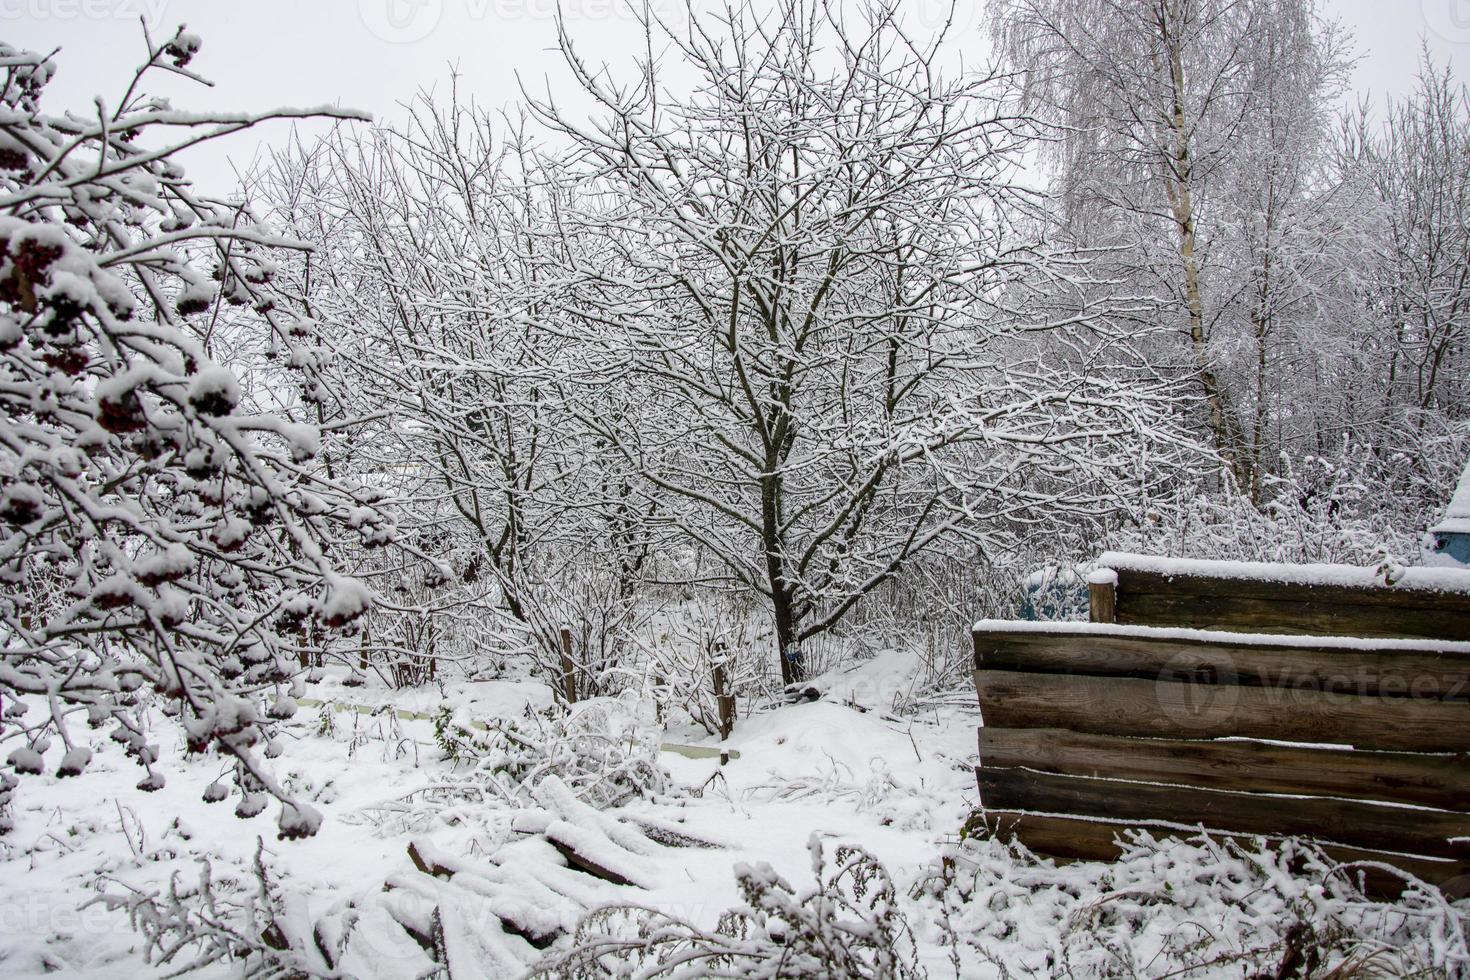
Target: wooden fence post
<point x="568" y="668"/>
<point x="724" y="697"/>
<point x="1102" y="596"/>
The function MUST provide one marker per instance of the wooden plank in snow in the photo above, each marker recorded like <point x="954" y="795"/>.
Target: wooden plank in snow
<point x="1071" y="838"/>
<point x="1164" y="709"/>
<point x="1435" y="833"/>
<point x="1397" y="669"/>
<point x="1441" y="781"/>
<point x="1296" y="610"/>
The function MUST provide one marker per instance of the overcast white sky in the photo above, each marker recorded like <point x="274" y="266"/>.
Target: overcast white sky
<point x="372" y="54"/>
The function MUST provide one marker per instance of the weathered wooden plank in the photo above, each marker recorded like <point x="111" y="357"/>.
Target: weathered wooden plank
<point x="1082" y="839"/>
<point x="583" y="862"/>
<point x="1349" y="822"/>
<point x="1312" y="616"/>
<point x="1282" y="589"/>
<point x="1441" y="781"/>
<point x="1382" y="672"/>
<point x="1165" y="709"/>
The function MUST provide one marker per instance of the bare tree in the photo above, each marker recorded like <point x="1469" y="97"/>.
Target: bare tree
<point x="1188" y="134"/>
<point x="1415" y="167"/>
<point x="1286" y="240"/>
<point x="813" y="266"/>
<point x="435" y="275"/>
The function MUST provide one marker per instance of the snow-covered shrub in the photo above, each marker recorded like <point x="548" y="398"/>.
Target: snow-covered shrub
<point x="932" y="608"/>
<point x="599" y="749"/>
<point x="406" y="641"/>
<point x="580" y="616"/>
<point x="216" y="919"/>
<point x="1359" y="506"/>
<point x="158" y="531"/>
<point x="694" y="644"/>
<point x="535" y="528"/>
<point x="893" y="799"/>
<point x="848" y="926"/>
<point x="1184" y="908"/>
<point x="7" y="790"/>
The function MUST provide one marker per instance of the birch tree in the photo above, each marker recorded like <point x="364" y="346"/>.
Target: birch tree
<point x="1186" y="131"/>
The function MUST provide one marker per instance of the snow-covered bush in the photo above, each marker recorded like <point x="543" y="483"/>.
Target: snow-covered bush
<point x="696" y="645"/>
<point x="848" y="926"/>
<point x="215" y="919"/>
<point x="599" y="749"/>
<point x="158" y="532"/>
<point x="1358" y="506"/>
<point x="7" y="790"/>
<point x="461" y="381"/>
<point x="1200" y="907"/>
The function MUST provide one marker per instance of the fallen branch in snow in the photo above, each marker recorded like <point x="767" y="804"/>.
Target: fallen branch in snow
<point x="598" y="748"/>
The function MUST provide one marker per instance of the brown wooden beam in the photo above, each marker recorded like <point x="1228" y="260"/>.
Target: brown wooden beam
<point x="1102" y="601"/>
<point x="1347" y="822"/>
<point x="1260" y="606"/>
<point x="1164" y="709"/>
<point x="1080" y="839"/>
<point x="1441" y="781"/>
<point x="1279" y="589"/>
<point x="1398" y="670"/>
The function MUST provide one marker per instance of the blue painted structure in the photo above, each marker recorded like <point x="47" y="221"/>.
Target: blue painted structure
<point x="1449" y="540"/>
<point x="1454" y="545"/>
<point x="1054" y="594"/>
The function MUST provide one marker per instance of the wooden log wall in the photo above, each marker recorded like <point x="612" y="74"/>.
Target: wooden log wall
<point x="1091" y="729"/>
<point x="1305" y="599"/>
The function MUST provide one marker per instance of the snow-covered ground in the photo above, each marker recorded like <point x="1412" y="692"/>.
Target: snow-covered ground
<point x="898" y="786"/>
<point x="841" y="770"/>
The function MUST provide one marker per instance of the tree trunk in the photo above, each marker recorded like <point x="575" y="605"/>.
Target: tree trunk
<point x="783" y="599"/>
<point x="1261" y="329"/>
<point x="793" y="664"/>
<point x="1178" y="186"/>
<point x="1258" y="429"/>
